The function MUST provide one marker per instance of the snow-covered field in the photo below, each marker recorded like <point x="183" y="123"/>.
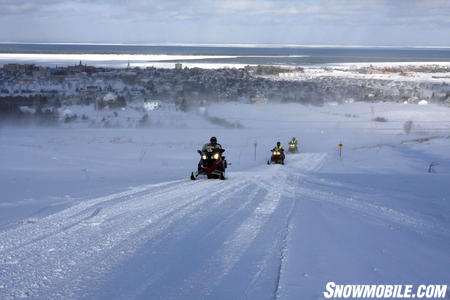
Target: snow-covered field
<point x="96" y="213"/>
<point x="350" y="70"/>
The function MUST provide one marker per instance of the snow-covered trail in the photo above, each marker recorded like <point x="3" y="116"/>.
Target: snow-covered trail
<point x="177" y="239"/>
<point x="266" y="233"/>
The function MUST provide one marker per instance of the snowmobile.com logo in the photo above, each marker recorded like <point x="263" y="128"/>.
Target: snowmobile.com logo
<point x="353" y="291"/>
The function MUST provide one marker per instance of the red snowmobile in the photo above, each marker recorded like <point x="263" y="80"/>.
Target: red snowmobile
<point x="277" y="157"/>
<point x="212" y="164"/>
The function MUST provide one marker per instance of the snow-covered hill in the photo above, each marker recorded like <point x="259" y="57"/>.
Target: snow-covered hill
<point x="91" y="213"/>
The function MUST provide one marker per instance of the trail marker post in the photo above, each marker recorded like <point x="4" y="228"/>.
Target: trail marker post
<point x="96" y="111"/>
<point x="256" y="145"/>
<point x="340" y="150"/>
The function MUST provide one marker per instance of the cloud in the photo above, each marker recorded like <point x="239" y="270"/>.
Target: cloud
<point x="249" y="20"/>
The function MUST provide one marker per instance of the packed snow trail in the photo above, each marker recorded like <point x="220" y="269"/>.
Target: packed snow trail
<point x="270" y="232"/>
<point x="178" y="239"/>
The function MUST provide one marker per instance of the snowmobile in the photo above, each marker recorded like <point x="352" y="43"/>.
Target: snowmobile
<point x="212" y="164"/>
<point x="293" y="148"/>
<point x="277" y="157"/>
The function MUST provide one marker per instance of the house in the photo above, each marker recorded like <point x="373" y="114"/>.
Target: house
<point x="258" y="99"/>
<point x="110" y="97"/>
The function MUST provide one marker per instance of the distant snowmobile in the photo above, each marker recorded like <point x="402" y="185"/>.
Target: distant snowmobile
<point x="293" y="148"/>
<point x="277" y="157"/>
<point x="212" y="164"/>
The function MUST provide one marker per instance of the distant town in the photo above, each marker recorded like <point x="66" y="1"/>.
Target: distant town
<point x="46" y="89"/>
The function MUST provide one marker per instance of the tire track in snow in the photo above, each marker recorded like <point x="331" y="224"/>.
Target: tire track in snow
<point x="308" y="163"/>
<point x="273" y="182"/>
<point x="284" y="248"/>
<point x="61" y="216"/>
<point x="76" y="248"/>
<point x="87" y="251"/>
<point x="310" y="190"/>
<point x="225" y="258"/>
<point x="183" y="230"/>
<point x="161" y="227"/>
<point x="381" y="212"/>
<point x="250" y="198"/>
<point x="47" y="226"/>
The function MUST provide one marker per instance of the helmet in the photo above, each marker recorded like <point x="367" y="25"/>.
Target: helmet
<point x="213" y="140"/>
<point x="278" y="143"/>
<point x="293" y="138"/>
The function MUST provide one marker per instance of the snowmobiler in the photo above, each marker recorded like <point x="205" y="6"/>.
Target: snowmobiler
<point x="277" y="155"/>
<point x="212" y="163"/>
<point x="212" y="144"/>
<point x="293" y="146"/>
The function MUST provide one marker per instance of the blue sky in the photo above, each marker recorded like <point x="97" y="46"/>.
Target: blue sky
<point x="343" y="22"/>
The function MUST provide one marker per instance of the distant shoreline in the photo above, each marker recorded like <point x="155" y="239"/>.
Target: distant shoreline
<point x="123" y="60"/>
<point x="213" y="56"/>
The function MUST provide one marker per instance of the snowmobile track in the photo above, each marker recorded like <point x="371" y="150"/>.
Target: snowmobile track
<point x="201" y="237"/>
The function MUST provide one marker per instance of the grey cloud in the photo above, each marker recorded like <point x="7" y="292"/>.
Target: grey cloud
<point x="251" y="20"/>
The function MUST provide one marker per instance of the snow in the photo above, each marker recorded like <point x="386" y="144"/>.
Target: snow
<point x="110" y="97"/>
<point x="103" y="213"/>
<point x="350" y="71"/>
<point x="152" y="105"/>
<point x="67" y="112"/>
